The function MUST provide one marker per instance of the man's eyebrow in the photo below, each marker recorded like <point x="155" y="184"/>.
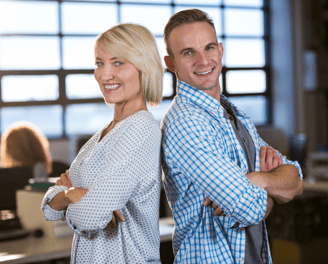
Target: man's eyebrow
<point x="191" y="49"/>
<point x="212" y="44"/>
<point x="186" y="49"/>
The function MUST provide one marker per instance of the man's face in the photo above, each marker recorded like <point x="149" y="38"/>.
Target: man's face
<point x="197" y="56"/>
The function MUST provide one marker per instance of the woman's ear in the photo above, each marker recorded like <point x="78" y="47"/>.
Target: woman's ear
<point x="170" y="64"/>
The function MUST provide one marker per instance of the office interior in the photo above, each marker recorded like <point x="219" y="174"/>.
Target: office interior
<point x="295" y="123"/>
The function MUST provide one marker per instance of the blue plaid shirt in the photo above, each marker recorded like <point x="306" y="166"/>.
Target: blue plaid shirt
<point x="203" y="158"/>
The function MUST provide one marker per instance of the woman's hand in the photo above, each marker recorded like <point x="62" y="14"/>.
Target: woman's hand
<point x="116" y="218"/>
<point x="64" y="180"/>
<point x="75" y="194"/>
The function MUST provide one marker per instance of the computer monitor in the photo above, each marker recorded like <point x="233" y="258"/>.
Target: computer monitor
<point x="11" y="180"/>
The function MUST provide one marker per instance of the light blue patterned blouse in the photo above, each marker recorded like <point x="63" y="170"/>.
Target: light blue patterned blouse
<point x="203" y="158"/>
<point x="123" y="172"/>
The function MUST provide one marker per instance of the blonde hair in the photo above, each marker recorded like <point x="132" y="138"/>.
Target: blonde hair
<point x="137" y="45"/>
<point x="183" y="17"/>
<point x="23" y="144"/>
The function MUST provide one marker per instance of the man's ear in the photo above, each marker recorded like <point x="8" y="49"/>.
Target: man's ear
<point x="170" y="63"/>
<point x="221" y="50"/>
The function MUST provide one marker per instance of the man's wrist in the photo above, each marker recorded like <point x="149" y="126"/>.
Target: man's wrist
<point x="259" y="179"/>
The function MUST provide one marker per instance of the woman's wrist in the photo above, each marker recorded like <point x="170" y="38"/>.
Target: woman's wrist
<point x="60" y="202"/>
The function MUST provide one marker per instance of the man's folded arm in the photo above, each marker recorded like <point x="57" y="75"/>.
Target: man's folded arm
<point x="200" y="156"/>
<point x="283" y="183"/>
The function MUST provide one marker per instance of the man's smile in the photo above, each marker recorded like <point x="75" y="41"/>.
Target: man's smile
<point x="203" y="73"/>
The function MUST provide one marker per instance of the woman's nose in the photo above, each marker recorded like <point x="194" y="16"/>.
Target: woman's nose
<point x="107" y="74"/>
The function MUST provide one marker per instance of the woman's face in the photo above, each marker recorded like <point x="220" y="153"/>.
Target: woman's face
<point x="118" y="79"/>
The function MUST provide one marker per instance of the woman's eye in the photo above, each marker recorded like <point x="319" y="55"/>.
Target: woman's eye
<point x="118" y="63"/>
<point x="98" y="63"/>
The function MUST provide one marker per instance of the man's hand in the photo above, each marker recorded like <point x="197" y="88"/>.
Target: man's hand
<point x="217" y="210"/>
<point x="281" y="181"/>
<point x="64" y="180"/>
<point x="75" y="194"/>
<point x="269" y="159"/>
<point x="117" y="216"/>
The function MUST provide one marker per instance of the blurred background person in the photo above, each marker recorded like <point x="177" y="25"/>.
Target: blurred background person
<point x="23" y="144"/>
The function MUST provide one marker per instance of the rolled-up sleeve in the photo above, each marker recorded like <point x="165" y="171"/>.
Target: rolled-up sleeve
<point x="49" y="213"/>
<point x="284" y="159"/>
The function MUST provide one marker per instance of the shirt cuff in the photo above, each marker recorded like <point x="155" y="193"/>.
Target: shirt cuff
<point x="88" y="234"/>
<point x="51" y="214"/>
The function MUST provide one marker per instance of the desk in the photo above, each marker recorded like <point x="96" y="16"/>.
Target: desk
<point x="57" y="239"/>
<point x="33" y="249"/>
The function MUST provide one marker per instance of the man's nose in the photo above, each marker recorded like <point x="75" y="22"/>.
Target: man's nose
<point x="201" y="59"/>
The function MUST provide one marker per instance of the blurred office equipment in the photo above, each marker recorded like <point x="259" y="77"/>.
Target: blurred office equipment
<point x="298" y="148"/>
<point x="58" y="167"/>
<point x="317" y="166"/>
<point x="40" y="172"/>
<point x="12" y="179"/>
<point x="54" y="245"/>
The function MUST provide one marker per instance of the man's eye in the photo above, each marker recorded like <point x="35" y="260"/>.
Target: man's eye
<point x="210" y="47"/>
<point x="187" y="53"/>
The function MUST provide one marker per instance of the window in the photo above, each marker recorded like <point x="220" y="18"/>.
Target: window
<point x="47" y="64"/>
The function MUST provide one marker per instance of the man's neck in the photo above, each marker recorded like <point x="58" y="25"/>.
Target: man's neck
<point x="214" y="91"/>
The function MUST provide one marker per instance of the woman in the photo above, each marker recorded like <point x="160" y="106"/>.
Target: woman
<point x="23" y="144"/>
<point x="119" y="167"/>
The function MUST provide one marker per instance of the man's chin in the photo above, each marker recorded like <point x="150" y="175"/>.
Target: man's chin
<point x="205" y="88"/>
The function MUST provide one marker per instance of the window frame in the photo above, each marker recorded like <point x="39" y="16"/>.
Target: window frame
<point x="64" y="102"/>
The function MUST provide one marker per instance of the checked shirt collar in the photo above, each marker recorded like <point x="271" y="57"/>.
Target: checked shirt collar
<point x="206" y="101"/>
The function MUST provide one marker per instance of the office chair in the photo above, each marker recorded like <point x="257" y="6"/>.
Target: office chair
<point x="297" y="148"/>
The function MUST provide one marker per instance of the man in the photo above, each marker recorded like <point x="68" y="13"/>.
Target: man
<point x="212" y="149"/>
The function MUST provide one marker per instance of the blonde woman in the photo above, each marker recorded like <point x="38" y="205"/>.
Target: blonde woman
<point x="119" y="167"/>
<point x="23" y="144"/>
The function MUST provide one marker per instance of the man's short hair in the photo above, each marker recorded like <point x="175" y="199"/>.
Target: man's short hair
<point x="137" y="45"/>
<point x="181" y="18"/>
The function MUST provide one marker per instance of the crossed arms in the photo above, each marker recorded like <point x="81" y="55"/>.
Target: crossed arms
<point x="74" y="195"/>
<point x="281" y="181"/>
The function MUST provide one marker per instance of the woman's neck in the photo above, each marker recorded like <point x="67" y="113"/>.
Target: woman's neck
<point x="126" y="109"/>
<point x="122" y="111"/>
<point x="130" y="107"/>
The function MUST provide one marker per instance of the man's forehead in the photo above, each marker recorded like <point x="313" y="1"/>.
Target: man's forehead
<point x="198" y="33"/>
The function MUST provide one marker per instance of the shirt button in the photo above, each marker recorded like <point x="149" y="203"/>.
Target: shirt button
<point x="231" y="118"/>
